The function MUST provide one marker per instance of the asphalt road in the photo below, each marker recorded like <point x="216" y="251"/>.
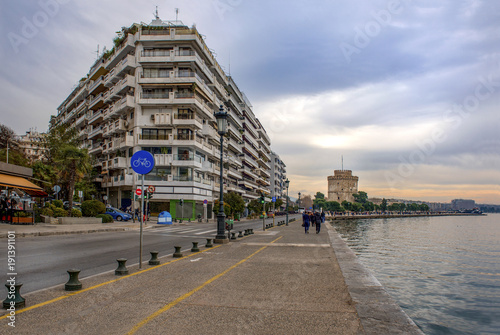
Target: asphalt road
<point x="42" y="261"/>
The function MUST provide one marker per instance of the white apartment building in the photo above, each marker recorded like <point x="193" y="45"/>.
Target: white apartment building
<point x="157" y="90"/>
<point x="32" y="144"/>
<point x="278" y="177"/>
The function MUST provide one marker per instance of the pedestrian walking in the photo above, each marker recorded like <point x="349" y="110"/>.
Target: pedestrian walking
<point x="305" y="222"/>
<point x="313" y="219"/>
<point x="317" y="217"/>
<point x="323" y="216"/>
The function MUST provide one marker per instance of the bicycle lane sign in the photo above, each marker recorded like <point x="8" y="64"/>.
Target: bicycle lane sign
<point x="142" y="162"/>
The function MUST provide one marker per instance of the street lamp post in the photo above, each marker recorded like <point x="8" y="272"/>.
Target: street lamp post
<point x="299" y="202"/>
<point x="287" y="182"/>
<point x="221" y="117"/>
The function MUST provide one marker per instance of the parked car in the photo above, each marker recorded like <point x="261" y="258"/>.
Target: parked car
<point x="117" y="214"/>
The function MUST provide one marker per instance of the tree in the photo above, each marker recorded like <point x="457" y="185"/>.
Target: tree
<point x="356" y="207"/>
<point x="236" y="203"/>
<point x="334" y="206"/>
<point x="346" y="205"/>
<point x="74" y="164"/>
<point x="255" y="206"/>
<point x="8" y="139"/>
<point x="383" y="205"/>
<point x="368" y="206"/>
<point x="360" y="197"/>
<point x="306" y="201"/>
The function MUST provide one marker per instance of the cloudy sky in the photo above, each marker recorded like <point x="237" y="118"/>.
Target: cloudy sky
<point x="408" y="91"/>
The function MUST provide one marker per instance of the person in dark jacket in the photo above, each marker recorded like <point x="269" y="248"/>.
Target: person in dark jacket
<point x="313" y="219"/>
<point x="323" y="216"/>
<point x="305" y="222"/>
<point x="317" y="217"/>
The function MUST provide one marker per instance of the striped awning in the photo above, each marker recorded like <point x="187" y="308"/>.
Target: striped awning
<point x="22" y="184"/>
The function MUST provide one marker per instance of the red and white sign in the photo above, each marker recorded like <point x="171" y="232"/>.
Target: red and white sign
<point x="138" y="191"/>
<point x="151" y="189"/>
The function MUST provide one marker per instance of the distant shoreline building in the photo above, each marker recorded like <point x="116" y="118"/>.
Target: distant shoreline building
<point x="342" y="186"/>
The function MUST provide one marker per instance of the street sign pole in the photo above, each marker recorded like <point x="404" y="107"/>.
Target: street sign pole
<point x="142" y="162"/>
<point x="142" y="222"/>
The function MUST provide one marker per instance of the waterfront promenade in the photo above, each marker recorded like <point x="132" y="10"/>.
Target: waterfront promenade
<point x="389" y="215"/>
<point x="279" y="281"/>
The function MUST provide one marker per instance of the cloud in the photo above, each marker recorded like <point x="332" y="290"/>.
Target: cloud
<point x="380" y="109"/>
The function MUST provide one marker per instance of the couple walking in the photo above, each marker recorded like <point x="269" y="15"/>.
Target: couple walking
<point x="316" y="219"/>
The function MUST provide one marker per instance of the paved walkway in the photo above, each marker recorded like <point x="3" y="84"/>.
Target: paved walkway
<point x="280" y="281"/>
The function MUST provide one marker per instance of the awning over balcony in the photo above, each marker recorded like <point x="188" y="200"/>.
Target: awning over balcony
<point x="22" y="184"/>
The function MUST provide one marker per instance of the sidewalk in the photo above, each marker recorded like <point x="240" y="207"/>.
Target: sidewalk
<point x="280" y="281"/>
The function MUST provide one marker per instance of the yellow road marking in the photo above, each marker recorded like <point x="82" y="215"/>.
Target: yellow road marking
<point x="187" y="295"/>
<point x="103" y="284"/>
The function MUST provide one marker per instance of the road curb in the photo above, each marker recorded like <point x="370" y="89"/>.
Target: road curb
<point x="49" y="233"/>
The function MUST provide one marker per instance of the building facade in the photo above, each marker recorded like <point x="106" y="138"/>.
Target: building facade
<point x="278" y="177"/>
<point x="32" y="144"/>
<point x="342" y="186"/>
<point x="157" y="90"/>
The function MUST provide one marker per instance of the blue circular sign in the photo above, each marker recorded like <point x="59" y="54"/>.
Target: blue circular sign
<point x="142" y="162"/>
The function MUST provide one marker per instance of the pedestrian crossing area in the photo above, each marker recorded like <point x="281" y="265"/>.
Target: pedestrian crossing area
<point x="184" y="231"/>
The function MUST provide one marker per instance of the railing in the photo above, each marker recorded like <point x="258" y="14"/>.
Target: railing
<point x="160" y="75"/>
<point x="155" y="95"/>
<point x="154" y="137"/>
<point x="185" y="53"/>
<point x="183" y="178"/>
<point x="188" y="95"/>
<point x="155" y="53"/>
<point x="96" y="83"/>
<point x="156" y="31"/>
<point x="184" y="137"/>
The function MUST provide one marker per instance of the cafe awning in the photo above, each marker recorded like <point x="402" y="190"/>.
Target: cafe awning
<point x="22" y="184"/>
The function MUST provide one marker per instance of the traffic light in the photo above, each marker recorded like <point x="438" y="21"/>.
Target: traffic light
<point x="262" y="199"/>
<point x="181" y="202"/>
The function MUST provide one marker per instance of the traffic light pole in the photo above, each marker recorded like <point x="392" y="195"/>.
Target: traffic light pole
<point x="263" y="213"/>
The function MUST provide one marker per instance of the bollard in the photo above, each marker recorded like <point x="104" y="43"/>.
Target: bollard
<point x="19" y="301"/>
<point x="250" y="231"/>
<point x="73" y="283"/>
<point x="122" y="269"/>
<point x="240" y="234"/>
<point x="209" y="243"/>
<point x="233" y="236"/>
<point x="177" y="253"/>
<point x="195" y="247"/>
<point x="154" y="258"/>
<point x="247" y="232"/>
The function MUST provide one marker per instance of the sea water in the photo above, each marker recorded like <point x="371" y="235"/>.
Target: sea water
<point x="443" y="271"/>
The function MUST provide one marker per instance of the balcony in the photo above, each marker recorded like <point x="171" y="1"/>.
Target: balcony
<point x="121" y="106"/>
<point x="263" y="136"/>
<point x="208" y="130"/>
<point x="95" y="132"/>
<point x="249" y="160"/>
<point x="192" y="120"/>
<point x="124" y="142"/>
<point x="248" y="149"/>
<point x="124" y="66"/>
<point x="176" y="98"/>
<point x="163" y="159"/>
<point x="124" y="84"/>
<point x="95" y="148"/>
<point x="114" y="127"/>
<point x="162" y="119"/>
<point x="126" y="47"/>
<point x="263" y="152"/>
<point x="235" y="146"/>
<point x="118" y="163"/>
<point x="250" y="172"/>
<point x="97" y="86"/>
<point x="97" y="102"/>
<point x="81" y="120"/>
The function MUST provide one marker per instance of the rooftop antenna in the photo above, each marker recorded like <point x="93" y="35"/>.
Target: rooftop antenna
<point x="342" y="162"/>
<point x="156" y="13"/>
<point x="97" y="52"/>
<point x="229" y="63"/>
<point x="176" y="14"/>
